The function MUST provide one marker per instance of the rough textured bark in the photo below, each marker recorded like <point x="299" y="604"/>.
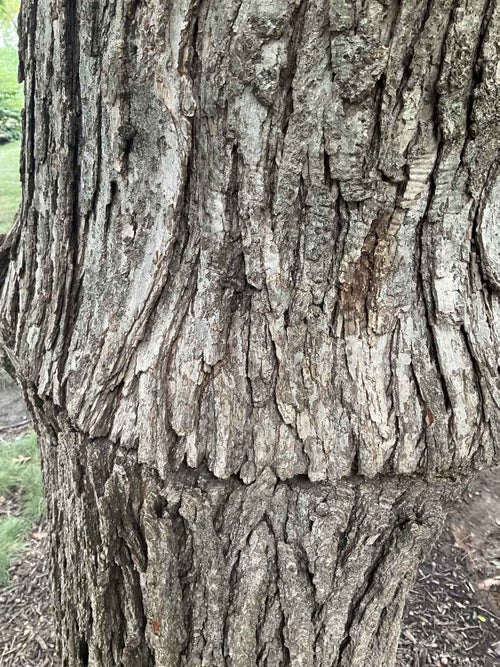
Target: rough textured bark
<point x="252" y="297"/>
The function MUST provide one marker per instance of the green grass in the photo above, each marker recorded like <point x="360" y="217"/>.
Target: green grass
<point x="11" y="91"/>
<point x="10" y="186"/>
<point x="19" y="469"/>
<point x="11" y="104"/>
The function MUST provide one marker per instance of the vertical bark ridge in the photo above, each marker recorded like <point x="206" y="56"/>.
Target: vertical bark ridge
<point x="315" y="111"/>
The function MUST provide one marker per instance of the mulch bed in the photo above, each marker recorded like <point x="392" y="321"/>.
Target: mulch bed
<point x="27" y="637"/>
<point x="446" y="622"/>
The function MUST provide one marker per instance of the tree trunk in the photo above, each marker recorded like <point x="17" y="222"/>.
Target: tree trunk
<point x="252" y="298"/>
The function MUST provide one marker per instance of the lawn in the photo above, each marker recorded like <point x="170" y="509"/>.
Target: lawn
<point x="21" y="483"/>
<point x="10" y="186"/>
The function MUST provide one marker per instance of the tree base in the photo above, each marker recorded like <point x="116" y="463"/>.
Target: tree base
<point x="197" y="571"/>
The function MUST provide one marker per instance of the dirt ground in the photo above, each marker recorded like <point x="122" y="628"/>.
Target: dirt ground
<point x="453" y="613"/>
<point x="452" y="616"/>
<point x="14" y="417"/>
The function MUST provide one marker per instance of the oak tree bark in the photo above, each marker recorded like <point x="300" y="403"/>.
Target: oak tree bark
<point x="252" y="299"/>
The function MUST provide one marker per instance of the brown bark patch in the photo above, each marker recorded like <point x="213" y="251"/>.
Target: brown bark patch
<point x="359" y="294"/>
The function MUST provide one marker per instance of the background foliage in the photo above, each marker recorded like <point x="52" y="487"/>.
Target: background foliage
<point x="11" y="92"/>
